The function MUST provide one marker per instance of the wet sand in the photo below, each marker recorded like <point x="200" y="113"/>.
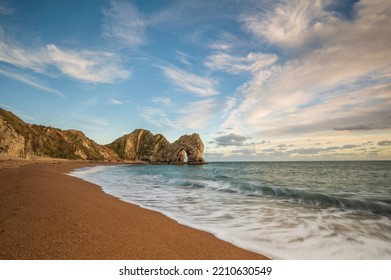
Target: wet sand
<point x="45" y="214"/>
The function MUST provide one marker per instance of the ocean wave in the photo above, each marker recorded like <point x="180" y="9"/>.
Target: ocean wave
<point x="326" y="216"/>
<point x="322" y="200"/>
<point x="88" y="170"/>
<point x="316" y="199"/>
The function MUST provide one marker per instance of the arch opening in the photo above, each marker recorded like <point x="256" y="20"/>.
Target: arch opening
<point x="183" y="156"/>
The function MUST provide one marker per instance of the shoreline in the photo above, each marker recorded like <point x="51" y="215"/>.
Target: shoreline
<point x="47" y="214"/>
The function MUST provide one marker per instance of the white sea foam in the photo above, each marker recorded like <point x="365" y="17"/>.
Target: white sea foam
<point x="281" y="228"/>
<point x="88" y="170"/>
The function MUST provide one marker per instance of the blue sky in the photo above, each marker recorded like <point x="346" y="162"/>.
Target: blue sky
<point x="258" y="80"/>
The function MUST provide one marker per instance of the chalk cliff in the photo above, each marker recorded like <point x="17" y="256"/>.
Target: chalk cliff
<point x="19" y="139"/>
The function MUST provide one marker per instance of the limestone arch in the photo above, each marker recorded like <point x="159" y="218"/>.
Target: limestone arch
<point x="183" y="156"/>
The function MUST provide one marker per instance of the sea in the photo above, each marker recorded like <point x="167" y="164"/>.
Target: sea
<point x="284" y="210"/>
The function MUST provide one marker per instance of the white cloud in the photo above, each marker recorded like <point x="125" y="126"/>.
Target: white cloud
<point x="220" y="46"/>
<point x="184" y="58"/>
<point x="229" y="104"/>
<point x="115" y="101"/>
<point x="194" y="115"/>
<point x="343" y="81"/>
<point x="17" y="112"/>
<point x="197" y="115"/>
<point x="162" y="101"/>
<point x="92" y="121"/>
<point x="12" y="53"/>
<point x="87" y="66"/>
<point x="156" y="116"/>
<point x="191" y="83"/>
<point x="251" y="63"/>
<point x="29" y="80"/>
<point x="84" y="65"/>
<point x="123" y="23"/>
<point x="289" y="23"/>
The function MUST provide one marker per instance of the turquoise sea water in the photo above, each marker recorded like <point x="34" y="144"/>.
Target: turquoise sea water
<point x="286" y="210"/>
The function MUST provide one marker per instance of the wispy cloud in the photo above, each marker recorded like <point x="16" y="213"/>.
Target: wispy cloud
<point x="115" y="101"/>
<point x="17" y="112"/>
<point x="251" y="63"/>
<point x="185" y="58"/>
<point x="156" y="116"/>
<point x="29" y="80"/>
<point x="123" y="23"/>
<point x="12" y="53"/>
<point x="87" y="66"/>
<point x="289" y="23"/>
<point x="190" y="83"/>
<point x="226" y="42"/>
<point x="194" y="115"/>
<point x="91" y="121"/>
<point x="198" y="114"/>
<point x="162" y="101"/>
<point x="5" y="9"/>
<point x="84" y="65"/>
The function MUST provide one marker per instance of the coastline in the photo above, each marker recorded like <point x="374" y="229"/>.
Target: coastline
<point x="46" y="214"/>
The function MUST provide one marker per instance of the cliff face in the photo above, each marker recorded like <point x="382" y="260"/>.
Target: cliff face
<point x="19" y="139"/>
<point x="139" y="145"/>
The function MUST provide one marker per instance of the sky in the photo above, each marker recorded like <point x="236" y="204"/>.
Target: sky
<point x="257" y="79"/>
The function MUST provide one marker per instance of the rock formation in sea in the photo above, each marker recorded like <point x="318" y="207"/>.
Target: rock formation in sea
<point x="19" y="139"/>
<point x="143" y="145"/>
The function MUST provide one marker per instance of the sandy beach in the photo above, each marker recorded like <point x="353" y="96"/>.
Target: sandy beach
<point x="45" y="214"/>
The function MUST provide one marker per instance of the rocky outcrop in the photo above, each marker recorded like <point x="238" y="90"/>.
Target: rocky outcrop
<point x="143" y="145"/>
<point x="11" y="142"/>
<point x="187" y="146"/>
<point x="19" y="139"/>
<point x="140" y="145"/>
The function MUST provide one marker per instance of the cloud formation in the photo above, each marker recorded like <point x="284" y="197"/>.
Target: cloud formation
<point x="162" y="101"/>
<point x="87" y="66"/>
<point x="384" y="143"/>
<point x="231" y="139"/>
<point x="83" y="65"/>
<point x="361" y="126"/>
<point x="188" y="82"/>
<point x="31" y="81"/>
<point x="289" y="23"/>
<point x="197" y="114"/>
<point x="335" y="81"/>
<point x="251" y="63"/>
<point x="123" y="23"/>
<point x="156" y="116"/>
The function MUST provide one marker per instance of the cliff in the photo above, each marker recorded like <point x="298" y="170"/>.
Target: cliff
<point x="19" y="139"/>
